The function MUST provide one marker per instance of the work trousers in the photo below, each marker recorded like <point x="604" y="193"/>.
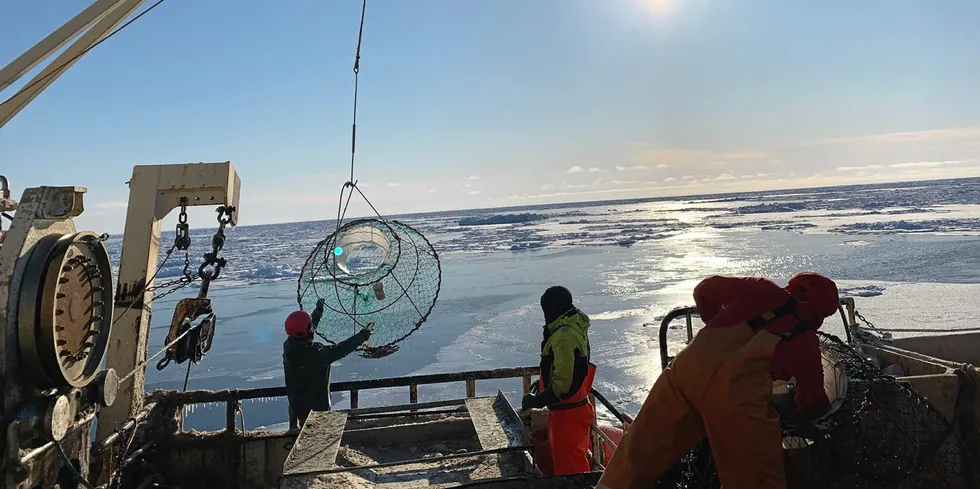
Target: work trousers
<point x="568" y="435"/>
<point x="719" y="386"/>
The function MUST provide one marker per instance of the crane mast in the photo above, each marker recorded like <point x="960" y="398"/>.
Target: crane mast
<point x="90" y="27"/>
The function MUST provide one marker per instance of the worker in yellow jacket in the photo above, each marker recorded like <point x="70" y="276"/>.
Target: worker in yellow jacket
<point x="565" y="382"/>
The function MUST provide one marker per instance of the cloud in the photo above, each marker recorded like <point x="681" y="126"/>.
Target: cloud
<point x="852" y="168"/>
<point x="576" y="169"/>
<point x="547" y="186"/>
<point x="926" y="136"/>
<point x="634" y="167"/>
<point x="913" y="164"/>
<point x="670" y="179"/>
<point x="473" y="177"/>
<point x="595" y="170"/>
<point x="928" y="164"/>
<point x="584" y="192"/>
<point x="665" y="158"/>
<point x="393" y="184"/>
<point x="432" y="190"/>
<point x="687" y="177"/>
<point x="474" y="192"/>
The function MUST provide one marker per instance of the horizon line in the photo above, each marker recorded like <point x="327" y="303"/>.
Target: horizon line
<point x="584" y="203"/>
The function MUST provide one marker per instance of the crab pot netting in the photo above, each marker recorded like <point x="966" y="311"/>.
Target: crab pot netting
<point x="881" y="434"/>
<point x="371" y="271"/>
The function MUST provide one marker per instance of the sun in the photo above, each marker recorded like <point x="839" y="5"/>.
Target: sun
<point x="659" y="8"/>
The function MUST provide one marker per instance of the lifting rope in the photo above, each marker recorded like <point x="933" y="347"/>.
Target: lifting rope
<point x="369" y="270"/>
<point x="352" y="184"/>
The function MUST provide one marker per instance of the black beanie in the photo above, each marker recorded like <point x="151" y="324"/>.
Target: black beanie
<point x="555" y="301"/>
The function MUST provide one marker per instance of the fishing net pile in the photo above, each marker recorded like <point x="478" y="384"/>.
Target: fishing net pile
<point x="881" y="435"/>
<point x="371" y="271"/>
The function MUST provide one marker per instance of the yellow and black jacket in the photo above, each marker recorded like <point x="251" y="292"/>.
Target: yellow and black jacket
<point x="564" y="358"/>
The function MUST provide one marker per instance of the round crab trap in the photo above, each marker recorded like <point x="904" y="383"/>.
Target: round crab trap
<point x="371" y="271"/>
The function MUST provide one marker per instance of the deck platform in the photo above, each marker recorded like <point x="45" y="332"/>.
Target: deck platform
<point x="317" y="445"/>
<point x="497" y="424"/>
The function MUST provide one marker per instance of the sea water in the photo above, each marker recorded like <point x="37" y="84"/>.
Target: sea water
<point x="909" y="253"/>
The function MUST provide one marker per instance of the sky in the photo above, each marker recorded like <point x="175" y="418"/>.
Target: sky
<point x="483" y="103"/>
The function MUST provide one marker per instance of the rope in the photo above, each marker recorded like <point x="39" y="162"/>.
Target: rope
<point x="68" y="463"/>
<point x="79" y="55"/>
<point x="187" y="375"/>
<point x="124" y="453"/>
<point x="357" y="71"/>
<point x="927" y="330"/>
<point x="352" y="184"/>
<point x="147" y="361"/>
<point x="911" y="330"/>
<point x="146" y="285"/>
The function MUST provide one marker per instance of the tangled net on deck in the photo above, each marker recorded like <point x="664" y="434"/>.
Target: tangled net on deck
<point x="371" y="271"/>
<point x="882" y="434"/>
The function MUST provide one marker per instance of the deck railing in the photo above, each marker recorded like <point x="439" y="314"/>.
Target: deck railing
<point x="232" y="398"/>
<point x="847" y="315"/>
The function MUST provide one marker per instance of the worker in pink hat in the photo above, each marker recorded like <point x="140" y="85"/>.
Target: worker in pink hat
<point x="306" y="363"/>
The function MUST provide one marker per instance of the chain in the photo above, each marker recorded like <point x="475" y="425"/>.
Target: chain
<point x="210" y="268"/>
<point x="864" y="320"/>
<point x="171" y="286"/>
<point x="182" y="242"/>
<point x="182" y="238"/>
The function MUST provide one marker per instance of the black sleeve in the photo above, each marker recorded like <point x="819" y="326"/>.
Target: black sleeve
<point x="331" y="354"/>
<point x="317" y="313"/>
<point x="546" y="397"/>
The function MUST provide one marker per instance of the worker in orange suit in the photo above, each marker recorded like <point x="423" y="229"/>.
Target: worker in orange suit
<point x="565" y="382"/>
<point x="720" y="385"/>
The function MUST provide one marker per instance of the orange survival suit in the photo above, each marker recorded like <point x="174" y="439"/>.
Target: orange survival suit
<point x="565" y="382"/>
<point x="720" y="385"/>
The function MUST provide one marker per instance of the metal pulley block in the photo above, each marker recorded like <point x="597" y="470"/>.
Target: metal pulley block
<point x="186" y="311"/>
<point x="196" y="342"/>
<point x="203" y="338"/>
